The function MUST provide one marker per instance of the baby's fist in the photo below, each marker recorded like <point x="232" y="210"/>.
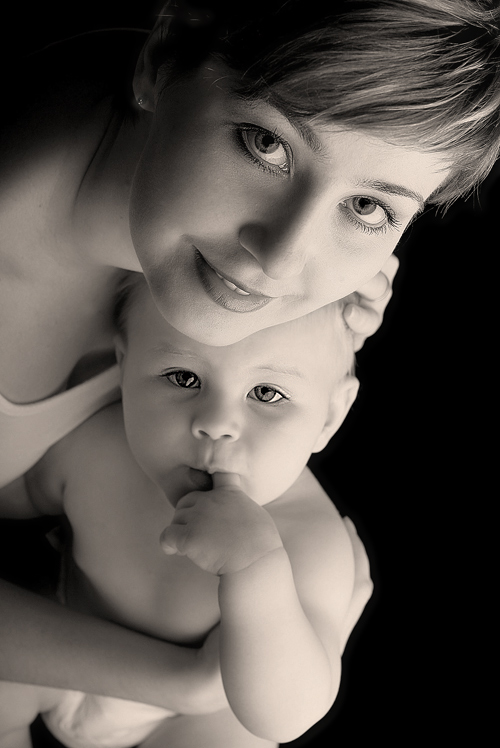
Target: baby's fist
<point x="223" y="530"/>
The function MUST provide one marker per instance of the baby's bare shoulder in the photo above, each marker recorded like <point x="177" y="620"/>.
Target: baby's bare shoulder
<point x="100" y="438"/>
<point x="95" y="463"/>
<point x="319" y="548"/>
<point x="313" y="532"/>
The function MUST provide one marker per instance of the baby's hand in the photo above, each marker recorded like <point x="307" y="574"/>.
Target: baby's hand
<point x="222" y="530"/>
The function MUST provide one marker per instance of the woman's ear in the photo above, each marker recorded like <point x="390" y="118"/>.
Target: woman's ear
<point x="146" y="69"/>
<point x="343" y="396"/>
<point x="173" y="13"/>
<point x="119" y="343"/>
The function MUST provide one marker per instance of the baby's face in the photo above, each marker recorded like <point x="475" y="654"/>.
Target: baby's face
<point x="257" y="408"/>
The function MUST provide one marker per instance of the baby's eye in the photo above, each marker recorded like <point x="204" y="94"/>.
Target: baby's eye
<point x="266" y="394"/>
<point x="266" y="147"/>
<point x="183" y="378"/>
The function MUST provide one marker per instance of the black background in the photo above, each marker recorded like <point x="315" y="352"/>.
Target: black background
<point x="407" y="464"/>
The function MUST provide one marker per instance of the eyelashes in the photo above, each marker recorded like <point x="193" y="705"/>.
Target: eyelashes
<point x="183" y="378"/>
<point x="272" y="154"/>
<point x="266" y="394"/>
<point x="389" y="220"/>
<point x="263" y="393"/>
<point x="266" y="149"/>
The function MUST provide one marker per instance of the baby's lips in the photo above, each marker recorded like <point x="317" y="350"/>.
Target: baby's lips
<point x="201" y="479"/>
<point x="226" y="480"/>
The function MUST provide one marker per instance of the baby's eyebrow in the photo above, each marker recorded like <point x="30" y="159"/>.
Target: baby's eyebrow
<point x="163" y="348"/>
<point x="393" y="189"/>
<point x="279" y="369"/>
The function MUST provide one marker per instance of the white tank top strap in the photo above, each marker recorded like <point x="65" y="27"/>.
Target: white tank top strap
<point x="28" y="430"/>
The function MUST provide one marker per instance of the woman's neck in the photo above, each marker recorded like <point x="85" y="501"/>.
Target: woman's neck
<point x="101" y="210"/>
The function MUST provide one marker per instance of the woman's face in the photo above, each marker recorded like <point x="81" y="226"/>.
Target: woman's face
<point x="242" y="219"/>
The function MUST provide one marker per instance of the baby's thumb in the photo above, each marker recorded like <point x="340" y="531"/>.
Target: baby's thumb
<point x="171" y="539"/>
<point x="226" y="480"/>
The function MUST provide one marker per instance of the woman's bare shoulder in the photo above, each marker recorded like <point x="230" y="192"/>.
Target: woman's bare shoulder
<point x="53" y="91"/>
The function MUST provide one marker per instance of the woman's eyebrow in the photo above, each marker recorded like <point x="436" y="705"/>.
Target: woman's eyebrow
<point x="393" y="189"/>
<point x="305" y="132"/>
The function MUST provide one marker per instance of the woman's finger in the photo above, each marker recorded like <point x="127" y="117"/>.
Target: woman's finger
<point x="377" y="289"/>
<point x="362" y="320"/>
<point x="390" y="268"/>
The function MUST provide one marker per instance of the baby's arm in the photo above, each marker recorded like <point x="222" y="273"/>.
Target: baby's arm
<point x="280" y="626"/>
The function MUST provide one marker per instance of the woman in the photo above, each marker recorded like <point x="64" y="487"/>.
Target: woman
<point x="247" y="207"/>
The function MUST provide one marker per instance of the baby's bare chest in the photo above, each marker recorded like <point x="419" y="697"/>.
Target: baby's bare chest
<point x="121" y="573"/>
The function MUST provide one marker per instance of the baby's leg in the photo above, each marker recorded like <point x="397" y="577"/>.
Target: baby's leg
<point x="218" y="730"/>
<point x="19" y="706"/>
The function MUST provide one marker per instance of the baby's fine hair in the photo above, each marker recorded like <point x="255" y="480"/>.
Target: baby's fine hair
<point x="338" y="336"/>
<point x="422" y="74"/>
<point x="329" y="317"/>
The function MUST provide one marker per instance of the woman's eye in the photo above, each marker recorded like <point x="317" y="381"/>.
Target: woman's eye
<point x="367" y="210"/>
<point x="369" y="215"/>
<point x="266" y="394"/>
<point x="182" y="378"/>
<point x="267" y="148"/>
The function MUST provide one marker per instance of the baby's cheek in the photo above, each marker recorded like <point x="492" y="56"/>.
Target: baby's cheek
<point x="277" y="473"/>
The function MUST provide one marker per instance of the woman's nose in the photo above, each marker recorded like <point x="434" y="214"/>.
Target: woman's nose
<point x="216" y="422"/>
<point x="285" y="239"/>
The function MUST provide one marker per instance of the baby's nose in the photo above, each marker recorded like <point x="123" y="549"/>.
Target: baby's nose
<point x="216" y="424"/>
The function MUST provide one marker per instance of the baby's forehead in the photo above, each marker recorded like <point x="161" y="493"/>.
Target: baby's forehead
<point x="319" y="339"/>
<point x="318" y="336"/>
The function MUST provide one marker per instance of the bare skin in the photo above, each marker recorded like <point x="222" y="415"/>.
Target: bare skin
<point x="250" y="563"/>
<point x="57" y="300"/>
<point x="121" y="575"/>
<point x="63" y="249"/>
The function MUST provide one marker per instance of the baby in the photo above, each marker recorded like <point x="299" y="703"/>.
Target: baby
<point x="211" y="444"/>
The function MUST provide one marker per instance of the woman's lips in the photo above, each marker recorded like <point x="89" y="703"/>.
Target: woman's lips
<point x="220" y="290"/>
<point x="230" y="285"/>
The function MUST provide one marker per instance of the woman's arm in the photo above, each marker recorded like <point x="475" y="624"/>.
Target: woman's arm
<point x="46" y="644"/>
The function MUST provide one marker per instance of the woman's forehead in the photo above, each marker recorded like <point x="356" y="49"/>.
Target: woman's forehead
<point x="372" y="161"/>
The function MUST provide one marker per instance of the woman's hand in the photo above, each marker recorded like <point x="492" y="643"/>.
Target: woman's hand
<point x="363" y="585"/>
<point x="364" y="309"/>
<point x="208" y="693"/>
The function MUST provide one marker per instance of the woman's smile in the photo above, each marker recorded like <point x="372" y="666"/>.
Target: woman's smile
<point x="221" y="230"/>
<point x="226" y="293"/>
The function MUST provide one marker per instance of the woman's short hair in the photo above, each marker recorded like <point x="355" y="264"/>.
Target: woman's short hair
<point x="423" y="74"/>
